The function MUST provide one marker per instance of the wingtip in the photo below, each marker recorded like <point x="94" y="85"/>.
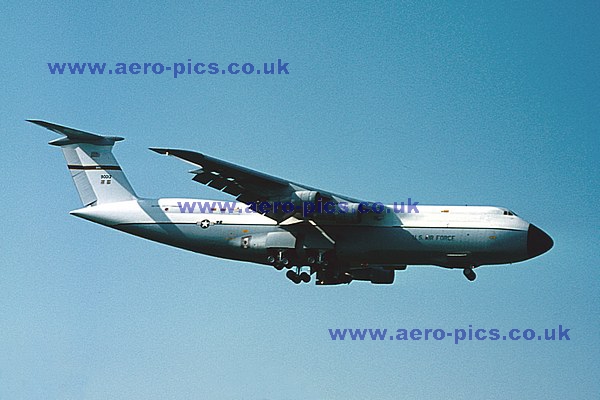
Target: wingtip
<point x="159" y="150"/>
<point x="37" y="122"/>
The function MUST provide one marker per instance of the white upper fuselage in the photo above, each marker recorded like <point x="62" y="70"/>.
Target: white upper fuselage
<point x="449" y="236"/>
<point x="168" y="210"/>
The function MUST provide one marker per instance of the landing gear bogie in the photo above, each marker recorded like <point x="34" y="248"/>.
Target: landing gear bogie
<point x="297" y="276"/>
<point x="318" y="258"/>
<point x="280" y="259"/>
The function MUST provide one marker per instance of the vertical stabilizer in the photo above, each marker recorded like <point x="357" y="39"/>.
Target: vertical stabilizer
<point x="97" y="174"/>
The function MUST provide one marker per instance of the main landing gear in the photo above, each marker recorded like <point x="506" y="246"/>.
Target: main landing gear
<point x="298" y="276"/>
<point x="279" y="260"/>
<point x="318" y="258"/>
<point x="470" y="274"/>
<point x="315" y="260"/>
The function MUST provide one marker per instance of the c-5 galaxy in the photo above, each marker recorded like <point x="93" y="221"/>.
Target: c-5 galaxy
<point x="354" y="241"/>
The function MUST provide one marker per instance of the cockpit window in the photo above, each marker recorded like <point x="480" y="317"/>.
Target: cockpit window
<point x="510" y="213"/>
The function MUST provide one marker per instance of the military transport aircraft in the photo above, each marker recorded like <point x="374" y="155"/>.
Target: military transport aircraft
<point x="353" y="240"/>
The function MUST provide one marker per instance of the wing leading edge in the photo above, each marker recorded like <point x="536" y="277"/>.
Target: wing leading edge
<point x="247" y="185"/>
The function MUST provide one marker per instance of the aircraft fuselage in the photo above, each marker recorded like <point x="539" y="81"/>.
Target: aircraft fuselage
<point x="448" y="236"/>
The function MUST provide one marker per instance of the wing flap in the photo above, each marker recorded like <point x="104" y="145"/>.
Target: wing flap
<point x="247" y="185"/>
<point x="225" y="169"/>
<point x="228" y="177"/>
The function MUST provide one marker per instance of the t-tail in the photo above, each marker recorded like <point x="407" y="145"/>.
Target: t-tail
<point x="97" y="174"/>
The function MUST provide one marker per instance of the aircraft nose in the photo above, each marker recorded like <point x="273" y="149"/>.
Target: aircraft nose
<point x="538" y="241"/>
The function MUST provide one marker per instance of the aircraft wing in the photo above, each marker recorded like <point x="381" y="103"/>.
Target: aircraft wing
<point x="247" y="185"/>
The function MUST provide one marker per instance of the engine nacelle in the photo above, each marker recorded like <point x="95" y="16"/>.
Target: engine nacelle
<point x="313" y="205"/>
<point x="305" y="196"/>
<point x="347" y="213"/>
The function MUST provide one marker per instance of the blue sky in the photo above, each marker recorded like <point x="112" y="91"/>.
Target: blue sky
<point x="448" y="104"/>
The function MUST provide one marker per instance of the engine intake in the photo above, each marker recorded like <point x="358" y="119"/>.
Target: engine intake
<point x="305" y="196"/>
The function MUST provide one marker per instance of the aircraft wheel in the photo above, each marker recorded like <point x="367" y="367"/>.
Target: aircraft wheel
<point x="305" y="277"/>
<point x="292" y="276"/>
<point x="469" y="274"/>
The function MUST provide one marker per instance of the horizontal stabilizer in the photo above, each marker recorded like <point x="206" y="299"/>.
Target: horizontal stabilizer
<point x="73" y="136"/>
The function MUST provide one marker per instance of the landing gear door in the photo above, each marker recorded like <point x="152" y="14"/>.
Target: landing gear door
<point x="281" y="240"/>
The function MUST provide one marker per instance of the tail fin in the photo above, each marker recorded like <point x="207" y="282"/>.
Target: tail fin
<point x="95" y="171"/>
